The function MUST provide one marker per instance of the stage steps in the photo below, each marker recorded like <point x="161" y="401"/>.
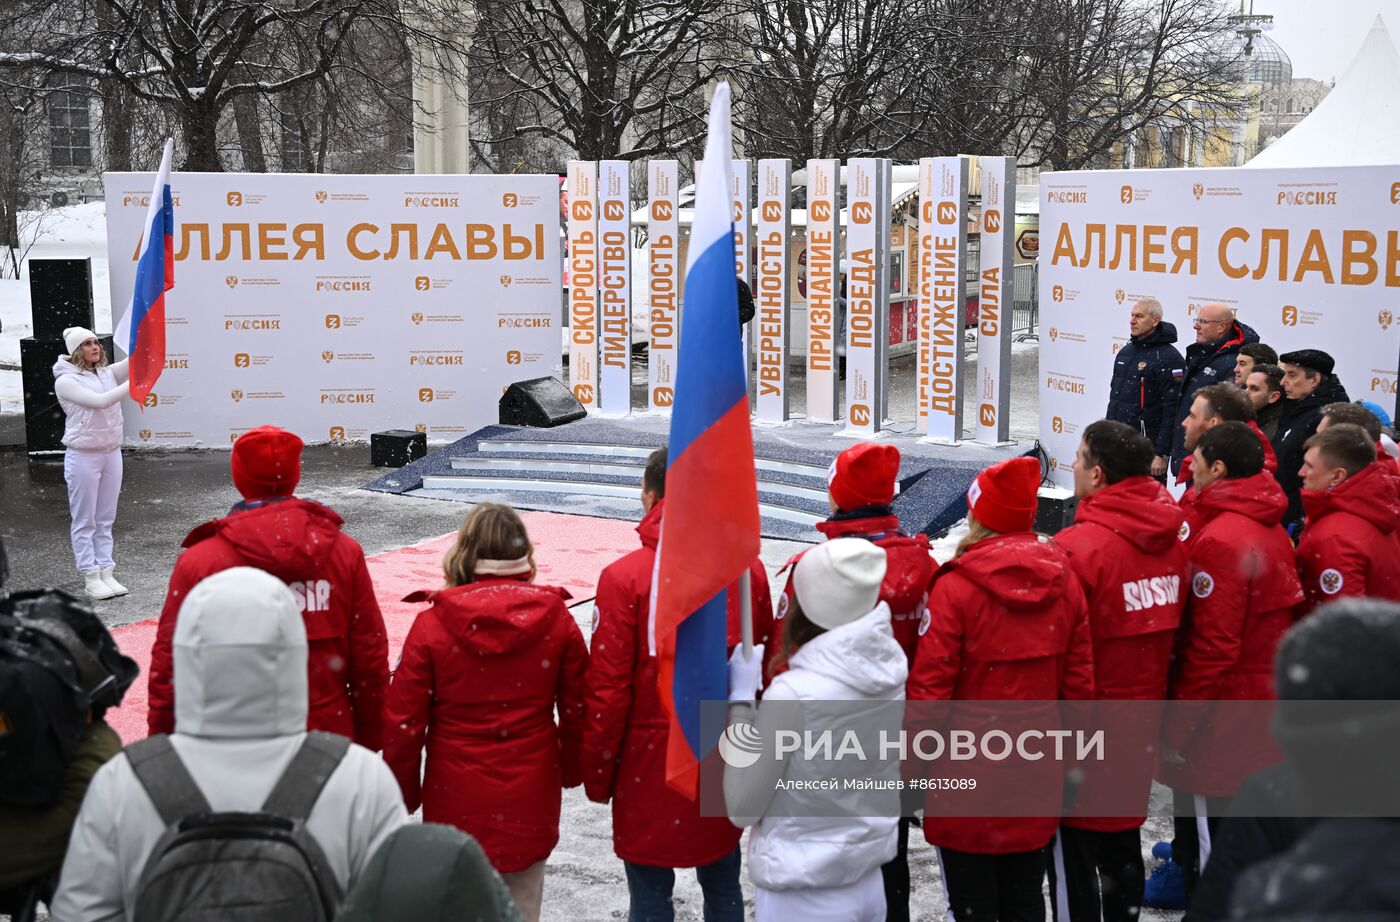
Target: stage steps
<point x="791" y="492"/>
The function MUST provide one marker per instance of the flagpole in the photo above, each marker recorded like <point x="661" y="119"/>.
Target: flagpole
<point x="746" y="613"/>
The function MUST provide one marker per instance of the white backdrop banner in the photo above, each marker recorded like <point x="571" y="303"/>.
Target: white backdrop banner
<point x="615" y="288"/>
<point x="942" y="262"/>
<point x="770" y="291"/>
<point x="1310" y="258"/>
<point x="823" y="287"/>
<point x="994" y="300"/>
<point x="334" y="306"/>
<point x="663" y="316"/>
<point x="583" y="281"/>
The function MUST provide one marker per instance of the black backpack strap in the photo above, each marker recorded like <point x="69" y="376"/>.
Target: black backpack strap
<point x="300" y="785"/>
<point x="168" y="783"/>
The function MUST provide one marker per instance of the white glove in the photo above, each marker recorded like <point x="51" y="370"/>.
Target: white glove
<point x="745" y="675"/>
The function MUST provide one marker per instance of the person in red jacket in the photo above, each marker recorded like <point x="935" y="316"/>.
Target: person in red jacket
<point x="301" y="543"/>
<point x="482" y="672"/>
<point x="1243" y="592"/>
<point x="655" y="829"/>
<point x="1358" y="415"/>
<point x="1006" y="620"/>
<point x="860" y="488"/>
<point x="1124" y="549"/>
<point x="1219" y="403"/>
<point x="1350" y="544"/>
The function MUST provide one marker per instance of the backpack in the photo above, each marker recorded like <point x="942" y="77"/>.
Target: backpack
<point x="254" y="867"/>
<point x="59" y="666"/>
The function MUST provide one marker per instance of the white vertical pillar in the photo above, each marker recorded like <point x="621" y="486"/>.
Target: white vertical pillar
<point x="884" y="194"/>
<point x="664" y="287"/>
<point x="771" y="296"/>
<point x="823" y="287"/>
<point x="739" y="193"/>
<point x="583" y="282"/>
<point x="942" y="255"/>
<point x="995" y="300"/>
<point x="615" y="287"/>
<point x="863" y="258"/>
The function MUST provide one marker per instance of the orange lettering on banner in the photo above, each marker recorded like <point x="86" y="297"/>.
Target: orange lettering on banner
<point x="820" y="248"/>
<point x="770" y="311"/>
<point x="582" y="266"/>
<point x="861" y="324"/>
<point x="613" y="275"/>
<point x="662" y="286"/>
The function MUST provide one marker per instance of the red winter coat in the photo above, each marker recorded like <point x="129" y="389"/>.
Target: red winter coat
<point x="1124" y="548"/>
<point x="908" y="573"/>
<point x="300" y="543"/>
<point x="1243" y="592"/>
<point x="1189" y="498"/>
<point x="481" y="674"/>
<point x="1006" y="621"/>
<point x="1351" y="542"/>
<point x="624" y="737"/>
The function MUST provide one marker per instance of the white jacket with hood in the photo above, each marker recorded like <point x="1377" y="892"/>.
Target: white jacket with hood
<point x="91" y="401"/>
<point x="240" y="717"/>
<point x="830" y="675"/>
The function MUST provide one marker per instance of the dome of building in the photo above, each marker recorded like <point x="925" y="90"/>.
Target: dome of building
<point x="1265" y="62"/>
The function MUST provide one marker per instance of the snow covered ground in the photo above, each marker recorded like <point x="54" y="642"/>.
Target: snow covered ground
<point x="63" y="233"/>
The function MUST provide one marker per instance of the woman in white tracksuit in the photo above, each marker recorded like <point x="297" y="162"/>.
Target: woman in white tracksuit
<point x="815" y="854"/>
<point x="90" y="392"/>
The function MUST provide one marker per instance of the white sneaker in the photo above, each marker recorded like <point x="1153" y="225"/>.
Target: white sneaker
<point x="111" y="581"/>
<point x="96" y="588"/>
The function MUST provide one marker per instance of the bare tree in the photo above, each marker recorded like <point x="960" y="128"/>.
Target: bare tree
<point x="199" y="59"/>
<point x="602" y="79"/>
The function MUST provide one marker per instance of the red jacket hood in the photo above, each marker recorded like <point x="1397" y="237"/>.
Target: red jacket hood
<point x="1139" y="510"/>
<point x="1370" y="495"/>
<point x="1023" y="571"/>
<point x="649" y="528"/>
<point x="1259" y="498"/>
<point x="496" y="615"/>
<point x="282" y="537"/>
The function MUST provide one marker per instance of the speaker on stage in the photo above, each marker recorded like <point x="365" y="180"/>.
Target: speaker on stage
<point x="60" y="295"/>
<point x="539" y="402"/>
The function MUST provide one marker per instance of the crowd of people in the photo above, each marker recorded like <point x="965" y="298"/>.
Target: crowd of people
<point x="279" y="734"/>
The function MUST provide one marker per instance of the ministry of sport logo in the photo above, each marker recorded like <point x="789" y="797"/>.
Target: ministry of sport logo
<point x="740" y="745"/>
<point x="1385" y="319"/>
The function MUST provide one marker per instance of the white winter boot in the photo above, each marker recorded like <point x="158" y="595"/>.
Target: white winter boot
<point x="111" y="581"/>
<point x="96" y="588"/>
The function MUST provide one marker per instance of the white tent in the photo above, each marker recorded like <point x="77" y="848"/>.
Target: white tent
<point x="1358" y="123"/>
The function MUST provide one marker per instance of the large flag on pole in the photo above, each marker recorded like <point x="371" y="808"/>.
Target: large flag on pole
<point x="710" y="532"/>
<point x="141" y="331"/>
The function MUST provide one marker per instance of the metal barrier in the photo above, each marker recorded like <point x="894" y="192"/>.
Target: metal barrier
<point x="1025" y="309"/>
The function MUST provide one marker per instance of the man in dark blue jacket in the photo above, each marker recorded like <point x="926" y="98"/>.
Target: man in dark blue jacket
<point x="1209" y="360"/>
<point x="1147" y="376"/>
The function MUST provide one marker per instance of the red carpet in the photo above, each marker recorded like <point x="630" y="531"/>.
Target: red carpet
<point x="570" y="551"/>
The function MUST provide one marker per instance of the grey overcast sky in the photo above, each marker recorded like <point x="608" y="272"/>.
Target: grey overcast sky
<point x="1322" y="36"/>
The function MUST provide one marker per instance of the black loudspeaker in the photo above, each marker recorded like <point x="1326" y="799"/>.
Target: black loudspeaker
<point x="540" y="402"/>
<point x="60" y="295"/>
<point x="43" y="417"/>
<point x="1055" y="508"/>
<point x="397" y="447"/>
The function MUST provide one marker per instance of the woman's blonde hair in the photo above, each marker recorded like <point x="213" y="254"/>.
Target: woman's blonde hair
<point x="976" y="532"/>
<point x="491" y="531"/>
<point x="76" y="358"/>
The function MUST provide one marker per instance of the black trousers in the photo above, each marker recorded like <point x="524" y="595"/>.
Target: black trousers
<point x="995" y="888"/>
<point x="896" y="874"/>
<point x="1186" y="842"/>
<point x="1096" y="875"/>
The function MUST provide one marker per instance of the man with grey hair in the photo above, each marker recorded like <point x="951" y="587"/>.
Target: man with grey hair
<point x="1147" y="375"/>
<point x="1209" y="360"/>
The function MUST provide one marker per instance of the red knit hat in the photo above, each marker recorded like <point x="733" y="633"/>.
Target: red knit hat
<point x="863" y="475"/>
<point x="266" y="462"/>
<point x="1003" y="497"/>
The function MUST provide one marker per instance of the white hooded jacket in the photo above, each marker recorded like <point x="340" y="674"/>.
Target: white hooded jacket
<point x="833" y="676"/>
<point x="241" y="700"/>
<point x="91" y="401"/>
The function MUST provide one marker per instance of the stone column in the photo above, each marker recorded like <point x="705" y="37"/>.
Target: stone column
<point x="440" y="127"/>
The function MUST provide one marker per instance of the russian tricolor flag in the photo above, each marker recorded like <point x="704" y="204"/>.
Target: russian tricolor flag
<point x="141" y="331"/>
<point x="710" y="531"/>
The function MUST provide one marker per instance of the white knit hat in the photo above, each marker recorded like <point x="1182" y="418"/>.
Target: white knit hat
<point x="839" y="581"/>
<point x="73" y="337"/>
